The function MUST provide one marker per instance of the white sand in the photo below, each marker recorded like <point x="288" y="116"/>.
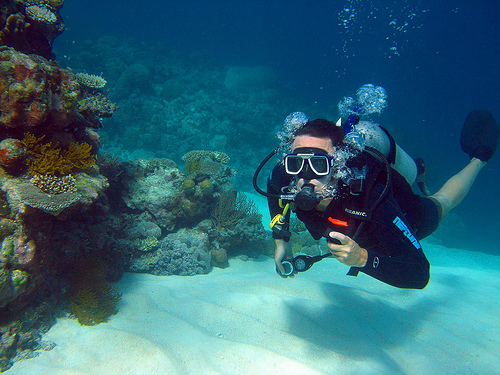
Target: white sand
<point x="247" y="320"/>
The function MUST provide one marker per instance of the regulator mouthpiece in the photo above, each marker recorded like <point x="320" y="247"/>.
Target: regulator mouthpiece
<point x="306" y="199"/>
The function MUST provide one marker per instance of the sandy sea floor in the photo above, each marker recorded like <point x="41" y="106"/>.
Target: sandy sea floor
<point x="247" y="320"/>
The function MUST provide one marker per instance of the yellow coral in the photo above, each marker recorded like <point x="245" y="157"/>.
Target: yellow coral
<point x="31" y="142"/>
<point x="206" y="187"/>
<point x="49" y="159"/>
<point x="146" y="244"/>
<point x="192" y="166"/>
<point x="92" y="299"/>
<point x="79" y="155"/>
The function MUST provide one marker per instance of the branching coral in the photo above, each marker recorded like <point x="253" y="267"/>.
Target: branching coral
<point x="40" y="13"/>
<point x="230" y="208"/>
<point x="91" y="81"/>
<point x="93" y="300"/>
<point x="98" y="105"/>
<point x="49" y="159"/>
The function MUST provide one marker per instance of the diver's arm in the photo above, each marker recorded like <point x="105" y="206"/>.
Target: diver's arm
<point x="400" y="272"/>
<point x="395" y="257"/>
<point x="282" y="250"/>
<point x="276" y="180"/>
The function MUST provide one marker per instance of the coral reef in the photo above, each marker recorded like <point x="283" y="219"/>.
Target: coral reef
<point x="51" y="184"/>
<point x="30" y="26"/>
<point x="162" y="200"/>
<point x="91" y="81"/>
<point x="146" y="244"/>
<point x="12" y="152"/>
<point x="197" y="155"/>
<point x="63" y="205"/>
<point x="172" y="103"/>
<point x="37" y="95"/>
<point x="92" y="299"/>
<point x="50" y="159"/>
<point x="156" y="186"/>
<point x="48" y="172"/>
<point x="183" y="253"/>
<point x="197" y="160"/>
<point x="246" y="237"/>
<point x="95" y="107"/>
<point x="230" y="208"/>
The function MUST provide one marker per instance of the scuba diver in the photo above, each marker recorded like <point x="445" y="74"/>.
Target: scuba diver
<point x="351" y="183"/>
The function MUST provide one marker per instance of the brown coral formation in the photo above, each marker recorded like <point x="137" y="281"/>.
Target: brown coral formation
<point x="230" y="208"/>
<point x="51" y="190"/>
<point x="95" y="107"/>
<point x="30" y="26"/>
<point x="36" y="95"/>
<point x="56" y="210"/>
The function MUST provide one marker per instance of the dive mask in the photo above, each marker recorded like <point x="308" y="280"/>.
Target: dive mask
<point x="308" y="163"/>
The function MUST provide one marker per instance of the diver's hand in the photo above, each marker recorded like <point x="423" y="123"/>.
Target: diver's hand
<point x="282" y="249"/>
<point x="348" y="252"/>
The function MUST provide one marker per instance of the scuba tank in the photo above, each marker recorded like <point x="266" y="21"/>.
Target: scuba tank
<point x="378" y="138"/>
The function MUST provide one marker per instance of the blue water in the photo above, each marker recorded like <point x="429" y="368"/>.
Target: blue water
<point x="437" y="61"/>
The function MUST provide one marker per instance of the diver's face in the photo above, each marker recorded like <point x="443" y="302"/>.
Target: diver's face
<point x="303" y="141"/>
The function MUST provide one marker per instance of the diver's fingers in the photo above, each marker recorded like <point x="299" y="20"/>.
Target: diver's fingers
<point x="280" y="267"/>
<point x="342" y="238"/>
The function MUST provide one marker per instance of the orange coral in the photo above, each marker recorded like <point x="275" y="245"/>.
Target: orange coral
<point x="21" y="72"/>
<point x="53" y="160"/>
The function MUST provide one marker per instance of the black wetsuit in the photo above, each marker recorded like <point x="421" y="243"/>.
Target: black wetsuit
<point x="389" y="233"/>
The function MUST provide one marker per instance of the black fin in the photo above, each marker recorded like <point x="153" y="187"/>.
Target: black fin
<point x="480" y="135"/>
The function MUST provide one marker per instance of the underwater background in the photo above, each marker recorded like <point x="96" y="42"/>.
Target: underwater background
<point x="130" y="133"/>
<point x="222" y="75"/>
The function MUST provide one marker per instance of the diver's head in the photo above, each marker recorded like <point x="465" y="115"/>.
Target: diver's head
<point x="320" y="129"/>
<point x="313" y="148"/>
<point x="312" y="159"/>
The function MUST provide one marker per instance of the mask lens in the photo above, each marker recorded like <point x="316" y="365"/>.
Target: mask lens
<point x="320" y="165"/>
<point x="293" y="164"/>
